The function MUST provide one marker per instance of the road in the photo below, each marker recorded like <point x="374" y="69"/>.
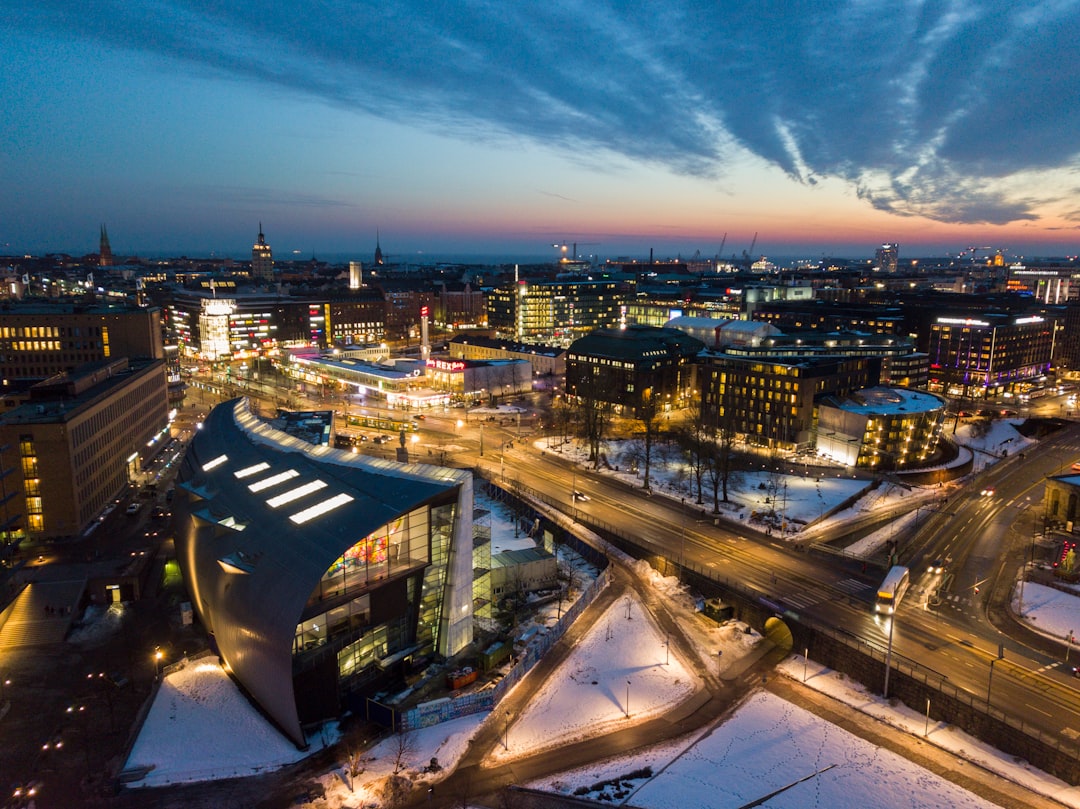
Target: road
<point x="943" y="625"/>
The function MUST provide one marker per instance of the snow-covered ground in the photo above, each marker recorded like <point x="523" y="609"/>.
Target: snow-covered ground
<point x="191" y="733"/>
<point x="764" y="746"/>
<point x="1047" y="610"/>
<point x="947" y="737"/>
<point x="622" y="672"/>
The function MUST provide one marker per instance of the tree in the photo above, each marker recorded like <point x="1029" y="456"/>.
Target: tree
<point x="403" y="750"/>
<point x="595" y="414"/>
<point x="355" y="765"/>
<point x="719" y="454"/>
<point x="647" y="414"/>
<point x="691" y="436"/>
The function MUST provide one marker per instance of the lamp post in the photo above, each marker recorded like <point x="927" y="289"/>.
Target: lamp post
<point x="682" y="530"/>
<point x="158" y="654"/>
<point x="506" y="730"/>
<point x="481" y="439"/>
<point x="888" y="658"/>
<point x="627" y="699"/>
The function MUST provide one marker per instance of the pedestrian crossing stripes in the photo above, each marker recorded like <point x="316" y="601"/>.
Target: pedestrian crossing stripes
<point x="853" y="586"/>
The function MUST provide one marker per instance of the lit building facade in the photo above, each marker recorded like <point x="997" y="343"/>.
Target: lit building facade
<point x="319" y="574"/>
<point x="632" y="367"/>
<point x="555" y="312"/>
<point x="986" y="355"/>
<point x="772" y="401"/>
<point x="262" y="259"/>
<point x="79" y="441"/>
<point x="40" y="339"/>
<point x="881" y="428"/>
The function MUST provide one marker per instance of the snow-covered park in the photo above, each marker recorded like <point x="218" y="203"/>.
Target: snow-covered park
<point x="621" y="673"/>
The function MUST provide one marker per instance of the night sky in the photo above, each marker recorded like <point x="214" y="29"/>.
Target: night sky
<point x="505" y="127"/>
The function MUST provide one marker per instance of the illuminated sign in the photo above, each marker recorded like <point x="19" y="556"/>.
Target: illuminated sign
<point x="960" y="321"/>
<point x="425" y="311"/>
<point x="1020" y="321"/>
<point x="443" y="365"/>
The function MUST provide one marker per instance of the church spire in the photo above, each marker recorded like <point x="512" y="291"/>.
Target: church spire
<point x="105" y="256"/>
<point x="378" y="249"/>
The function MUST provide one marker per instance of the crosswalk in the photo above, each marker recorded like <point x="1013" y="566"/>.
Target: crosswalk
<point x="802" y="600"/>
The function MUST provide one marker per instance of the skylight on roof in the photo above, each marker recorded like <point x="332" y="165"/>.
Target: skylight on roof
<point x="296" y="494"/>
<point x="273" y="480"/>
<point x="337" y="500"/>
<point x="248" y="471"/>
<point x="214" y="462"/>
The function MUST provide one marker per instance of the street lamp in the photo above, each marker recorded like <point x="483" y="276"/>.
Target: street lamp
<point x="158" y="654"/>
<point x="888" y="658"/>
<point x="627" y="699"/>
<point x="506" y="731"/>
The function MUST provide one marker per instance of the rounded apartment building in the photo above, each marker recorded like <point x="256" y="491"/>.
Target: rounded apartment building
<point x="881" y="428"/>
<point x="316" y="572"/>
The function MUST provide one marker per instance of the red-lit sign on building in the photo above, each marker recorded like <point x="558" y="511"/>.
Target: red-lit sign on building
<point x="425" y="311"/>
<point x="443" y="365"/>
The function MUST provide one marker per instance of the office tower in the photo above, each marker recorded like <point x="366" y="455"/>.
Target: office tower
<point x="262" y="259"/>
<point x="886" y="256"/>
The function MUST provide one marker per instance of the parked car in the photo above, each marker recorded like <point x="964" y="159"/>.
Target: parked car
<point x="133" y="509"/>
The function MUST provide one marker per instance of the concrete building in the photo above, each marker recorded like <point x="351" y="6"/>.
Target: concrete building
<point x="555" y="312"/>
<point x="881" y="428"/>
<point x="632" y="366"/>
<point x="78" y="442"/>
<point x="320" y="574"/>
<point x="262" y="260"/>
<point x="982" y="355"/>
<point x="544" y="360"/>
<point x="522" y="571"/>
<point x="772" y="401"/>
<point x="39" y="339"/>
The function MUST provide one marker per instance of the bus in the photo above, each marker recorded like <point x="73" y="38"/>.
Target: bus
<point x="892" y="589"/>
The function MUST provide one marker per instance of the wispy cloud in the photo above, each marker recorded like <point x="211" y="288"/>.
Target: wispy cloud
<point x="924" y="106"/>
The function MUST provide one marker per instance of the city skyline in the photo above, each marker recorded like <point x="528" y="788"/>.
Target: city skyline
<point x="456" y="130"/>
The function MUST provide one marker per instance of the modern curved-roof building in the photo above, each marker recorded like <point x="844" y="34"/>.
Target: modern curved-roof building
<point x="317" y="571"/>
<point x="881" y="428"/>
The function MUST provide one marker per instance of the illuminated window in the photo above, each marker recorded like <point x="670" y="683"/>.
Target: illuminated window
<point x="318" y="509"/>
<point x="273" y="480"/>
<point x="296" y="494"/>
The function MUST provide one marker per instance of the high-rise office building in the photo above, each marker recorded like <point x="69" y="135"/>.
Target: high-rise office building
<point x="262" y="259"/>
<point x="886" y="257"/>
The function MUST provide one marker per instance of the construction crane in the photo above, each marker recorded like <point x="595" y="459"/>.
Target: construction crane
<point x="720" y="252"/>
<point x="748" y="255"/>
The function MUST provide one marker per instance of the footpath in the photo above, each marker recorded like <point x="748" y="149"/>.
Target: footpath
<point x="476" y="782"/>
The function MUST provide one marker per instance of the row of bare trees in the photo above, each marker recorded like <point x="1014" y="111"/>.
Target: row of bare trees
<point x="707" y="436"/>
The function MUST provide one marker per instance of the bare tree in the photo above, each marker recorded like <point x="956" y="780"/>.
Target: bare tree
<point x="648" y="411"/>
<point x="719" y="453"/>
<point x="355" y="765"/>
<point x="595" y="414"/>
<point x="403" y="750"/>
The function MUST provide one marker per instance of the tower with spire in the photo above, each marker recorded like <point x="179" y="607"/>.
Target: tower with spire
<point x="262" y="260"/>
<point x="105" y="256"/>
<point x="378" y="250"/>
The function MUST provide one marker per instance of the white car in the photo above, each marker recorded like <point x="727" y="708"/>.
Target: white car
<point x="581" y="496"/>
<point x="133" y="509"/>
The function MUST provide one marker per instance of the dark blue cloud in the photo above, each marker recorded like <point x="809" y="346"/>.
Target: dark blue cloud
<point x="921" y="106"/>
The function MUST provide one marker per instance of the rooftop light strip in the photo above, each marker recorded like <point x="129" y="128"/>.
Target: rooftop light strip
<point x="296" y="494"/>
<point x="248" y="471"/>
<point x="273" y="480"/>
<point x="316" y="510"/>
<point x="214" y="462"/>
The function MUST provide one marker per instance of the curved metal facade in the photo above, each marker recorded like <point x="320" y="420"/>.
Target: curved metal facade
<point x="252" y="557"/>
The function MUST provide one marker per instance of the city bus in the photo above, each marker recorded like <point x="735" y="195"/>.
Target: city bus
<point x="892" y="589"/>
